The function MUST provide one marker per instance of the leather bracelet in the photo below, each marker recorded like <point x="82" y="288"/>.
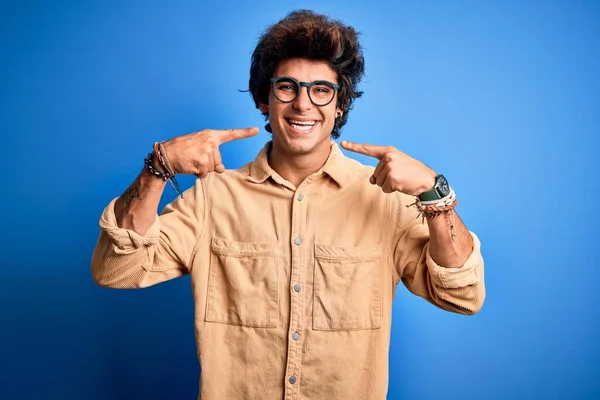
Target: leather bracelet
<point x="154" y="170"/>
<point x="164" y="159"/>
<point x="433" y="208"/>
<point x="166" y="175"/>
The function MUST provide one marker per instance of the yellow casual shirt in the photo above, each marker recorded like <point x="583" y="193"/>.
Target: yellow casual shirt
<point x="293" y="287"/>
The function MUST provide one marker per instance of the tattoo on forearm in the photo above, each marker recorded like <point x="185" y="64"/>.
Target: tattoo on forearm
<point x="131" y="194"/>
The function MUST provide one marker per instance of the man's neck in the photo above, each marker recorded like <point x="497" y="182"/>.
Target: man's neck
<point x="295" y="168"/>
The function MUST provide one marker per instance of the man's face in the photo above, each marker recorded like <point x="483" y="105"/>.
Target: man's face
<point x="301" y="127"/>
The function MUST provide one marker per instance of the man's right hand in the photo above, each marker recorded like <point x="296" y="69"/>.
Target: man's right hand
<point x="198" y="153"/>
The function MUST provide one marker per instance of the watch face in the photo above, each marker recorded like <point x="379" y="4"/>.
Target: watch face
<point x="442" y="186"/>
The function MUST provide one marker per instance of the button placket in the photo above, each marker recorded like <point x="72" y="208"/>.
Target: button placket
<point x="297" y="298"/>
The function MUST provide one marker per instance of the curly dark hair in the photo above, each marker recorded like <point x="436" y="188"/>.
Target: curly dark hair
<point x="306" y="34"/>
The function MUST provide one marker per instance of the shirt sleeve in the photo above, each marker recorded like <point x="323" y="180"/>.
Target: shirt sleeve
<point x="125" y="259"/>
<point x="460" y="290"/>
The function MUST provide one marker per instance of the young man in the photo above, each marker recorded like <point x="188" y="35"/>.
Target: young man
<point x="294" y="258"/>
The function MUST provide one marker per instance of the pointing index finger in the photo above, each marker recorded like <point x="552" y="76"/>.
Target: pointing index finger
<point x="370" y="150"/>
<point x="228" y="135"/>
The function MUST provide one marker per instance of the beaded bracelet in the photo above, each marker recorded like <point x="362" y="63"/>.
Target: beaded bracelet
<point x="164" y="174"/>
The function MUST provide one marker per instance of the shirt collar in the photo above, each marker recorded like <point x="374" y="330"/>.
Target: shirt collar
<point x="335" y="166"/>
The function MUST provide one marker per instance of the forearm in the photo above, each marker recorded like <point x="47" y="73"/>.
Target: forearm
<point x="137" y="207"/>
<point x="135" y="248"/>
<point x="443" y="250"/>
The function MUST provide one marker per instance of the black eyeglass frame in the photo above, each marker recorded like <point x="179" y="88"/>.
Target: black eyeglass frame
<point x="308" y="85"/>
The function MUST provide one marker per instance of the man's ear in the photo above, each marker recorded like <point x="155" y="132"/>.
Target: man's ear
<point x="264" y="108"/>
<point x="339" y="110"/>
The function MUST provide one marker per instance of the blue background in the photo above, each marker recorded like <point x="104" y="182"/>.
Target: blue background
<point x="502" y="97"/>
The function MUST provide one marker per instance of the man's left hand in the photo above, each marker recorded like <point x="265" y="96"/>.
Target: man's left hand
<point x="396" y="170"/>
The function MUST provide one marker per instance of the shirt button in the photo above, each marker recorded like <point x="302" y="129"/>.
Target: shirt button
<point x="297" y="287"/>
<point x="295" y="336"/>
<point x="292" y="379"/>
<point x="300" y="196"/>
<point x="298" y="241"/>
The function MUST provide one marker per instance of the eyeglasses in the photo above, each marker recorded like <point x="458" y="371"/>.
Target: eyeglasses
<point x="287" y="89"/>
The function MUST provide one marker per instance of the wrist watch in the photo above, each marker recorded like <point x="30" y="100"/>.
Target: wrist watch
<point x="440" y="190"/>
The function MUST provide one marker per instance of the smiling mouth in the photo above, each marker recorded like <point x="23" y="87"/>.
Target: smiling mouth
<point x="301" y="126"/>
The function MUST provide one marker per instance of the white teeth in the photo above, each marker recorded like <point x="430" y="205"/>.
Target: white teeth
<point x="302" y="128"/>
<point x="302" y="123"/>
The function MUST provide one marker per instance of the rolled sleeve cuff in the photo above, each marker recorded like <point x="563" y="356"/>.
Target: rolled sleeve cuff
<point x="451" y="278"/>
<point x="127" y="239"/>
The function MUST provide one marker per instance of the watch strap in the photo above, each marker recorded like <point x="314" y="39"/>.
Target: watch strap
<point x="435" y="193"/>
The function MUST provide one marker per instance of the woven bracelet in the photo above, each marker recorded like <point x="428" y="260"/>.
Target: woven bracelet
<point x="431" y="209"/>
<point x="154" y="170"/>
<point x="166" y="175"/>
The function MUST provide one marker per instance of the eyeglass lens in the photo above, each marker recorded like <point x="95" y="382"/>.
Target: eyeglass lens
<point x="320" y="92"/>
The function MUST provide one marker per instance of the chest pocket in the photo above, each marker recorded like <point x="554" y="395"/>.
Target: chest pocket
<point x="347" y="292"/>
<point x="243" y="283"/>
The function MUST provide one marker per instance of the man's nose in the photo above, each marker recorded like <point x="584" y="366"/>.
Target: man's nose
<point x="302" y="102"/>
